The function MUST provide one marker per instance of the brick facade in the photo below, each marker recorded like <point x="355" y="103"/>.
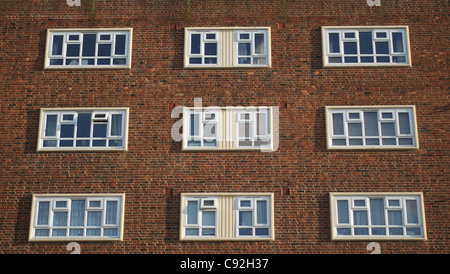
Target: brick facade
<point x="154" y="171"/>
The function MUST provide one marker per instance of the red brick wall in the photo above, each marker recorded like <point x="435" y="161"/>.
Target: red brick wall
<point x="154" y="170"/>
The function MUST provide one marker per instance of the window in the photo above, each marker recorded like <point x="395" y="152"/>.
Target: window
<point x="83" y="129"/>
<point x="376" y="127"/>
<point x="227" y="47"/>
<point x="227" y="216"/>
<point x="229" y="128"/>
<point x="377" y="216"/>
<point x="68" y="217"/>
<point x="366" y="46"/>
<point x="88" y="48"/>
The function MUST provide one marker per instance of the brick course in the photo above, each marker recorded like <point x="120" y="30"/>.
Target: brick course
<point x="154" y="170"/>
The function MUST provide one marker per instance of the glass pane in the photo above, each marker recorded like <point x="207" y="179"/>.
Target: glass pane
<point x="387" y="129"/>
<point x="115" y="143"/>
<point x="360" y="202"/>
<point x="399" y="59"/>
<point x="195" y="43"/>
<point x="89" y="44"/>
<point x="210" y="60"/>
<point x="57" y="45"/>
<point x="43" y="213"/>
<point x="344" y="231"/>
<point x="77" y="213"/>
<point x="413" y="232"/>
<point x="372" y="142"/>
<point x="351" y="59"/>
<point x="361" y="231"/>
<point x="67" y="131"/>
<point x="50" y="129"/>
<point x="245" y="218"/>
<point x="66" y="143"/>
<point x="378" y="231"/>
<point x="334" y="42"/>
<point x="261" y="124"/>
<point x="244" y="49"/>
<point x="334" y="60"/>
<point x="350" y="48"/>
<point x="75" y="232"/>
<point x="261" y="210"/>
<point x="405" y="127"/>
<point x="195" y="60"/>
<point x="56" y="62"/>
<point x="94" y="218"/>
<point x="99" y="130"/>
<point x="209" y="130"/>
<point x="111" y="232"/>
<point x="99" y="143"/>
<point x="93" y="232"/>
<point x="395" y="217"/>
<point x="209" y="218"/>
<point x="342" y="211"/>
<point x="377" y="211"/>
<point x="191" y="231"/>
<point x="120" y="44"/>
<point x="208" y="231"/>
<point x="395" y="231"/>
<point x="195" y="125"/>
<point x="84" y="125"/>
<point x="103" y="61"/>
<point x="339" y="142"/>
<point x="244" y="61"/>
<point x="59" y="232"/>
<point x="259" y="43"/>
<point x="383" y="59"/>
<point x="355" y="142"/>
<point x="411" y="212"/>
<point x="397" y="41"/>
<point x="111" y="213"/>
<point x="245" y="231"/>
<point x="245" y="203"/>
<point x="48" y="143"/>
<point x="210" y="36"/>
<point x="210" y="49"/>
<point x="365" y="43"/>
<point x="72" y="62"/>
<point x="354" y="129"/>
<point x="405" y="141"/>
<point x="116" y="125"/>
<point x="261" y="231"/>
<point x="370" y="123"/>
<point x="389" y="142"/>
<point x="73" y="50"/>
<point x="104" y="50"/>
<point x="338" y="124"/>
<point x="394" y="202"/>
<point x="367" y="59"/>
<point x="244" y="129"/>
<point x="59" y="218"/>
<point x="382" y="47"/>
<point x="192" y="212"/>
<point x="360" y="217"/>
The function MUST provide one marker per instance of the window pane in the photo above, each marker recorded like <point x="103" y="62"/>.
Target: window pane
<point x="360" y="217"/>
<point x="342" y="208"/>
<point x="405" y="127"/>
<point x="84" y="125"/>
<point x="111" y="212"/>
<point x="377" y="211"/>
<point x="191" y="231"/>
<point x="244" y="129"/>
<point x="411" y="212"/>
<point x="195" y="43"/>
<point x="261" y="231"/>
<point x="338" y="124"/>
<point x="245" y="218"/>
<point x="59" y="218"/>
<point x="395" y="217"/>
<point x="50" y="129"/>
<point x="89" y="44"/>
<point x="73" y="50"/>
<point x="77" y="213"/>
<point x="192" y="212"/>
<point x="387" y="129"/>
<point x="208" y="218"/>
<point x="57" y="44"/>
<point x="261" y="210"/>
<point x="210" y="49"/>
<point x="350" y="48"/>
<point x="116" y="125"/>
<point x="365" y="43"/>
<point x="382" y="47"/>
<point x="334" y="42"/>
<point x="120" y="44"/>
<point x="259" y="43"/>
<point x="94" y="218"/>
<point x="43" y="213"/>
<point x="244" y="49"/>
<point x="370" y="123"/>
<point x="67" y="131"/>
<point x="104" y="50"/>
<point x="100" y="130"/>
<point x="397" y="42"/>
<point x="261" y="123"/>
<point x="354" y="129"/>
<point x="195" y="125"/>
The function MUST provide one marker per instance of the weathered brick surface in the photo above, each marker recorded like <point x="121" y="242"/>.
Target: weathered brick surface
<point x="154" y="171"/>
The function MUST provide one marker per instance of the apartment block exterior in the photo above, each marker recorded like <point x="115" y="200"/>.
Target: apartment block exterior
<point x="274" y="127"/>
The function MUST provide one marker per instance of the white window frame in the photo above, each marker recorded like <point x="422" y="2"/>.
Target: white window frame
<point x="226" y="206"/>
<point x="107" y="120"/>
<point x="349" y="226"/>
<point x="123" y="60"/>
<point x="341" y="30"/>
<point x="399" y="137"/>
<point x="227" y="47"/>
<point x="252" y="208"/>
<point x="199" y="226"/>
<point x="68" y="198"/>
<point x="227" y="129"/>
